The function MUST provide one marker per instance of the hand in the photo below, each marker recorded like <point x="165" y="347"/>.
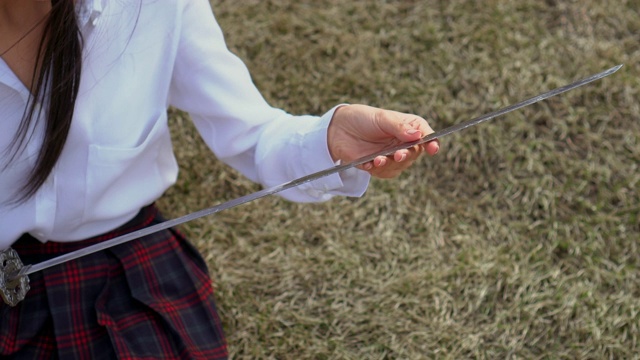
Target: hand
<point x="358" y="130"/>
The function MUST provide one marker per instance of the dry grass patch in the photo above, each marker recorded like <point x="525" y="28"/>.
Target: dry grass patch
<point x="519" y="240"/>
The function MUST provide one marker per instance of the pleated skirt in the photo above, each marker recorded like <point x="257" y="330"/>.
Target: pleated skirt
<point x="150" y="298"/>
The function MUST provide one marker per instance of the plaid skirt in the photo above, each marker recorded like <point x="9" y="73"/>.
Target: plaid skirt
<point x="150" y="298"/>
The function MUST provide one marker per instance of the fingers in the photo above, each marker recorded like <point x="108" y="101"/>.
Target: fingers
<point x="386" y="167"/>
<point x="392" y="165"/>
<point x="432" y="147"/>
<point x="404" y="127"/>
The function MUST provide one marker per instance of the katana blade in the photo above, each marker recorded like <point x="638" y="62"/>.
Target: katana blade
<point x="29" y="269"/>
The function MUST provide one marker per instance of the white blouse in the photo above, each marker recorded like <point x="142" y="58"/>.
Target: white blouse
<point x="139" y="58"/>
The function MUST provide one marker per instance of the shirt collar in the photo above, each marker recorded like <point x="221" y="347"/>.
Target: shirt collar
<point x="89" y="11"/>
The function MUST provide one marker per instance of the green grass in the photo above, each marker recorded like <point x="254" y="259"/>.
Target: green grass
<point x="519" y="240"/>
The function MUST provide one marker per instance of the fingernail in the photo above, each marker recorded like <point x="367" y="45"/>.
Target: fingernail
<point x="402" y="157"/>
<point x="411" y="131"/>
<point x="367" y="166"/>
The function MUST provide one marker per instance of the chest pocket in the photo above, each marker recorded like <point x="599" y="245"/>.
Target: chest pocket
<point x="121" y="180"/>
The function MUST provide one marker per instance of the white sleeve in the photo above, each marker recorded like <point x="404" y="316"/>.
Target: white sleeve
<point x="266" y="144"/>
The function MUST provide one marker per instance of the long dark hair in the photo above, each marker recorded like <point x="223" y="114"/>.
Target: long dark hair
<point x="59" y="62"/>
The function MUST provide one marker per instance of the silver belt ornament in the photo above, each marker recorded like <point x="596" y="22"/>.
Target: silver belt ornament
<point x="14" y="280"/>
<point x="12" y="289"/>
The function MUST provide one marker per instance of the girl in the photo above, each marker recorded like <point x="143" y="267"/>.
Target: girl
<point x="85" y="151"/>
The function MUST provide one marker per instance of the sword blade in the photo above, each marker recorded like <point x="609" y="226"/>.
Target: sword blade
<point x="30" y="269"/>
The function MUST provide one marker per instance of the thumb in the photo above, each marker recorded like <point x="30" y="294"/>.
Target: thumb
<point x="404" y="127"/>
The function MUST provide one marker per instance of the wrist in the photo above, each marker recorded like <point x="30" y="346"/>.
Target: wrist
<point x="333" y="133"/>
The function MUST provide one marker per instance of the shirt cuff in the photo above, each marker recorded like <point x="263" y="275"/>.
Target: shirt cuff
<point x="316" y="155"/>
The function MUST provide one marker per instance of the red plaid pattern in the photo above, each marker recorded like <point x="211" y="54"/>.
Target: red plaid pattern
<point x="150" y="298"/>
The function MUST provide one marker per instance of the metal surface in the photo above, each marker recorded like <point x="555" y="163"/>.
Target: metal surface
<point x="12" y="290"/>
<point x="12" y="275"/>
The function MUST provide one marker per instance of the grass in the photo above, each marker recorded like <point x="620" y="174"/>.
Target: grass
<point x="519" y="240"/>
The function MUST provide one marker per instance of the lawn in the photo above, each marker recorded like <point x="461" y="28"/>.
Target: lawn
<point x="519" y="240"/>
